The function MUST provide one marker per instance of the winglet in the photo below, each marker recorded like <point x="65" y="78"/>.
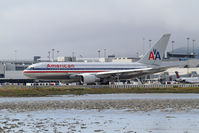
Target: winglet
<point x="155" y="55"/>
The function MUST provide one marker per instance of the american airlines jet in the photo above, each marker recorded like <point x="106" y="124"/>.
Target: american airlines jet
<point x="101" y="72"/>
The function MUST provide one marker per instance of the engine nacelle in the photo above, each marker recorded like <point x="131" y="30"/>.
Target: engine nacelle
<point x="89" y="79"/>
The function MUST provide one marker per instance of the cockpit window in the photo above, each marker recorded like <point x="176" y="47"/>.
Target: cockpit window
<point x="31" y="68"/>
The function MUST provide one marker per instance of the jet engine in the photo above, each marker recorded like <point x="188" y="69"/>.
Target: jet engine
<point x="89" y="79"/>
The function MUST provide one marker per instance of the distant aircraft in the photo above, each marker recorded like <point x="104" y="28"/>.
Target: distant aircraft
<point x="191" y="80"/>
<point x="86" y="73"/>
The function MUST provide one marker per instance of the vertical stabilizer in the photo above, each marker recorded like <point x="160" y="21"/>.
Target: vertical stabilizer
<point x="155" y="55"/>
<point x="177" y="75"/>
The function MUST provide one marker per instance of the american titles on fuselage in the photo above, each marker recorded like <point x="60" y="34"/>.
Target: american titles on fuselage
<point x="60" y="66"/>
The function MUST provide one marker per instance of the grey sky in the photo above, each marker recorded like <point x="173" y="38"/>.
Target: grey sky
<point x="33" y="27"/>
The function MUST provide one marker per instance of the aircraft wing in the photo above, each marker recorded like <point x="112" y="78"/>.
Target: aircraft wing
<point x="132" y="72"/>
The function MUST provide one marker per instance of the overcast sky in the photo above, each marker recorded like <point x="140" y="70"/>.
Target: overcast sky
<point x="34" y="27"/>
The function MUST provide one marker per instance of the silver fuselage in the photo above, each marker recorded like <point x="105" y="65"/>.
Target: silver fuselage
<point x="64" y="70"/>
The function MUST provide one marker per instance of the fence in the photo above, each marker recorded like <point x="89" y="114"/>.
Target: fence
<point x="139" y="86"/>
<point x="104" y="86"/>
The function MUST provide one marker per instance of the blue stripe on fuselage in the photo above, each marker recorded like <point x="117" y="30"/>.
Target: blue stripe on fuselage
<point x="84" y="68"/>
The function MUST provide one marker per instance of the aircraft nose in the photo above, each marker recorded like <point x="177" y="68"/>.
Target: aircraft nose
<point x="25" y="72"/>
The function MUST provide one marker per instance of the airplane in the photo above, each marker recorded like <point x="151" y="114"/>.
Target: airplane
<point x="88" y="73"/>
<point x="191" y="80"/>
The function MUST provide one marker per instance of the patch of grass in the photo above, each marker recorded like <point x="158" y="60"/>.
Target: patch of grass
<point x="15" y="91"/>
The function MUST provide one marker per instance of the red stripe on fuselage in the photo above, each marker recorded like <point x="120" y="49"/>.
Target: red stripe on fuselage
<point x="62" y="71"/>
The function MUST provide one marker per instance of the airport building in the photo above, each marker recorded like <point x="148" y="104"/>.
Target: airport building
<point x="183" y="53"/>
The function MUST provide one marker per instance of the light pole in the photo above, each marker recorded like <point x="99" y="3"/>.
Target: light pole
<point x="53" y="54"/>
<point x="104" y="53"/>
<point x="193" y="47"/>
<point x="188" y="46"/>
<point x="172" y="46"/>
<point x="99" y="53"/>
<point x="15" y="52"/>
<point x="73" y="54"/>
<point x="188" y="55"/>
<point x="137" y="54"/>
<point x="57" y="53"/>
<point x="49" y="55"/>
<point x="143" y="49"/>
<point x="150" y="44"/>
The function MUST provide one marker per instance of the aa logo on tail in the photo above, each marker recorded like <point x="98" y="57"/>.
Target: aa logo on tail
<point x="154" y="55"/>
